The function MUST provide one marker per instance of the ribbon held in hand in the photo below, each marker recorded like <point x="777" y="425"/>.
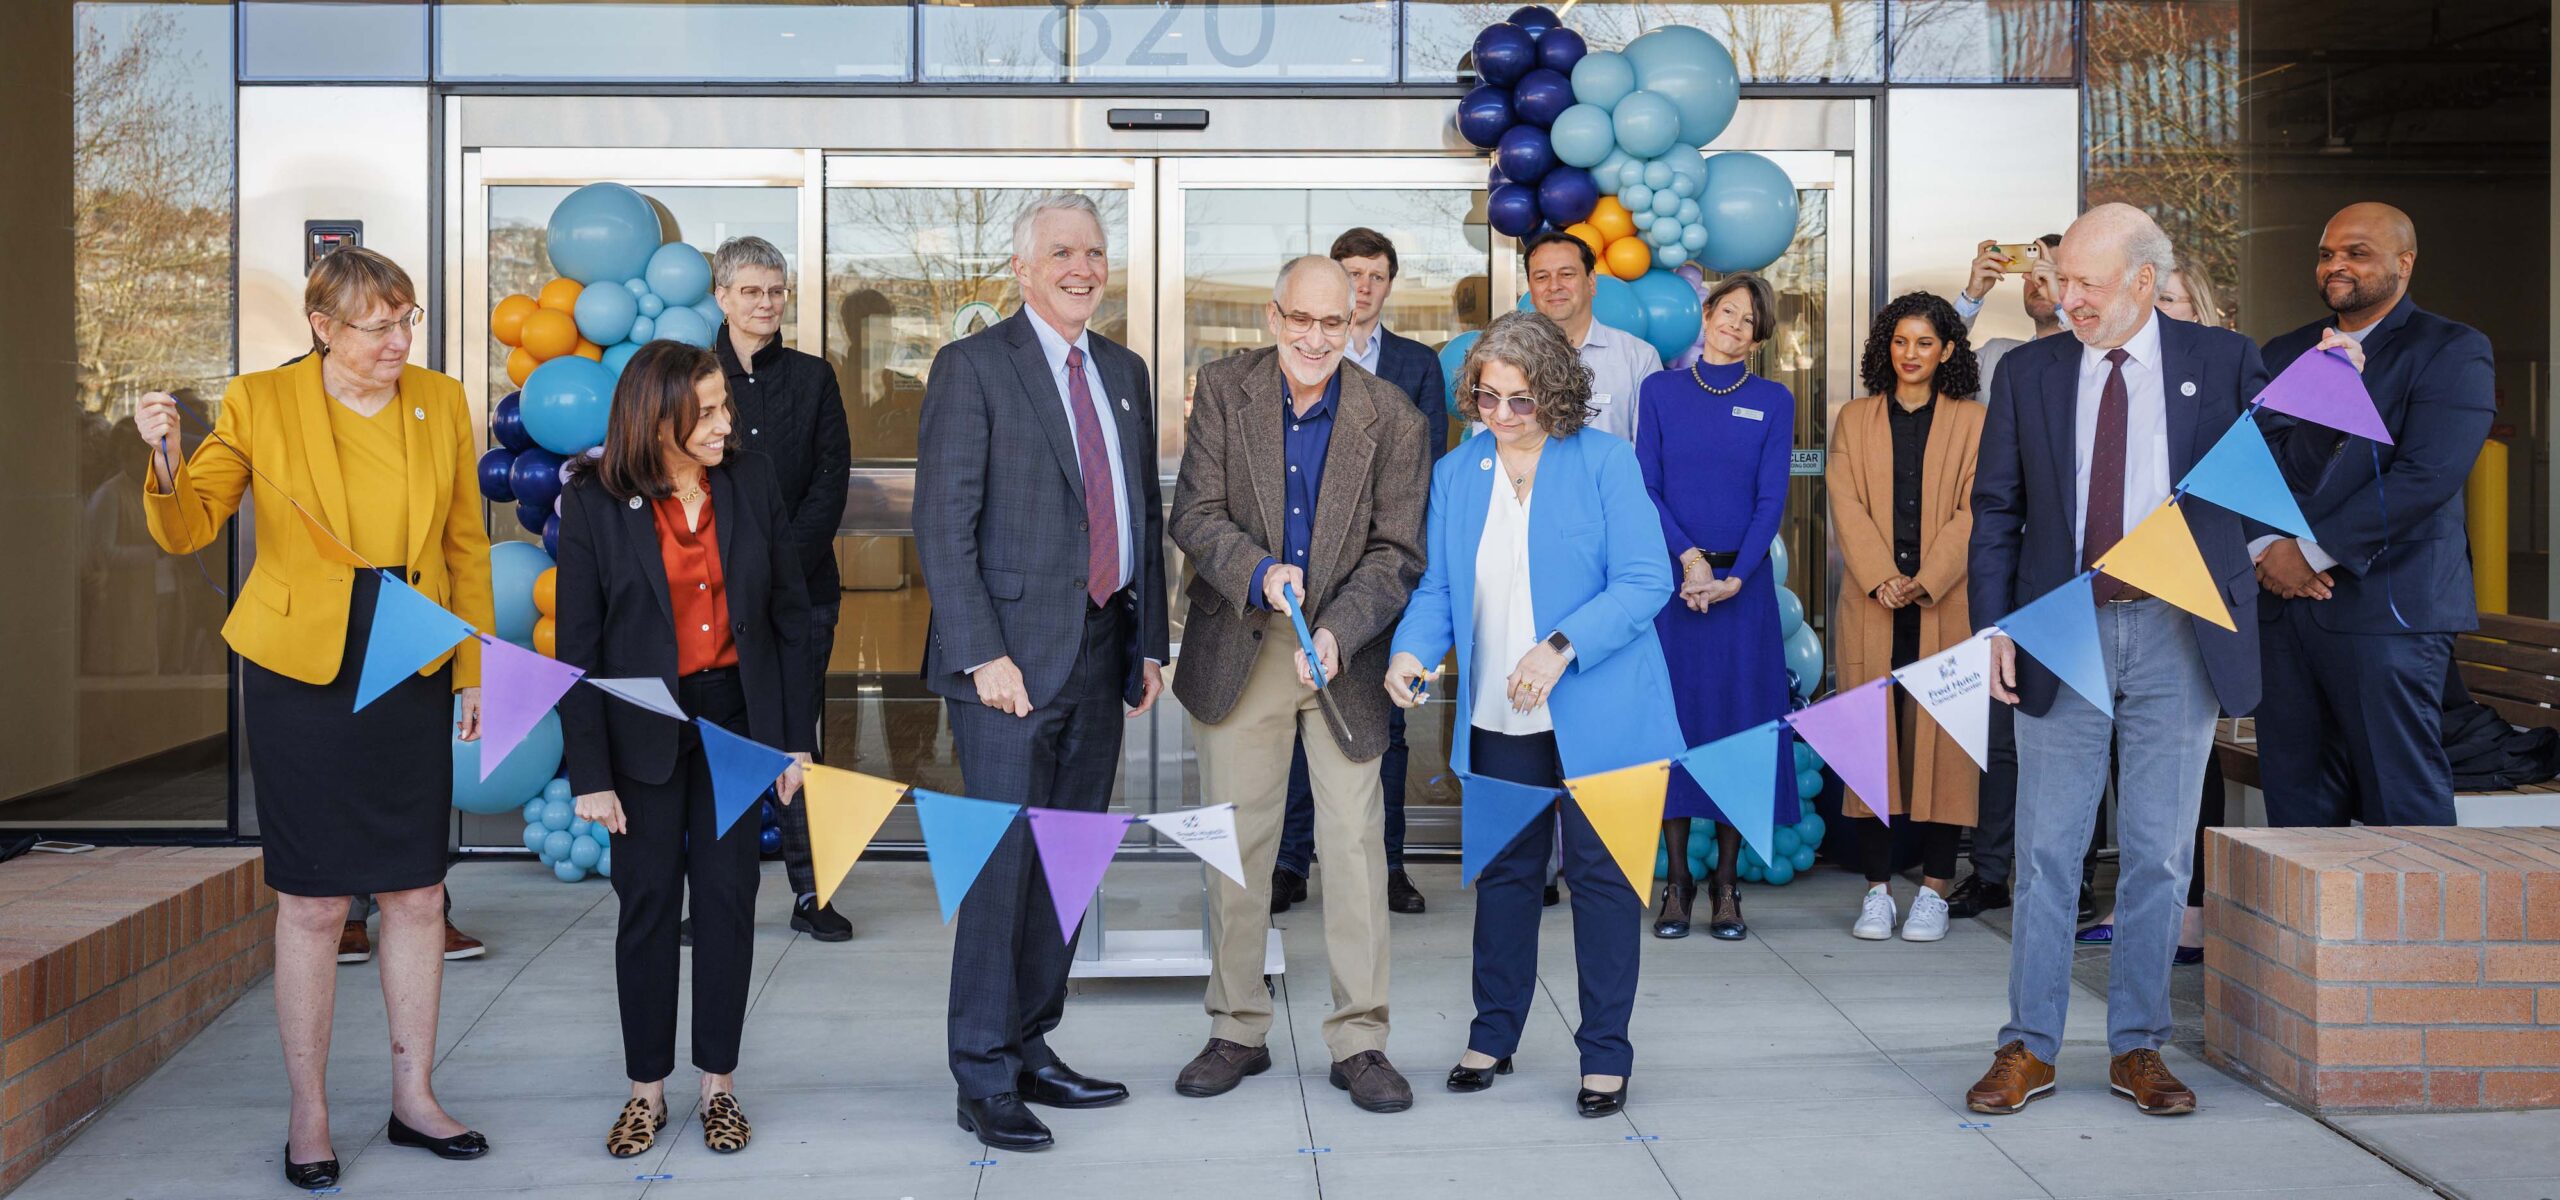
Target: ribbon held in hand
<point x="1306" y="640"/>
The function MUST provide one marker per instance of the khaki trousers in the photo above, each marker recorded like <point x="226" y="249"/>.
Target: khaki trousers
<point x="1244" y="761"/>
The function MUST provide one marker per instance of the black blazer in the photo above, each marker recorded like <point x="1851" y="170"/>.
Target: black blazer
<point x="1412" y="366"/>
<point x="616" y="622"/>
<point x="790" y="410"/>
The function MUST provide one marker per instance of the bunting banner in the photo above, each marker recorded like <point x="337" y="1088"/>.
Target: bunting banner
<point x="959" y="834"/>
<point x="2061" y="629"/>
<point x="845" y="811"/>
<point x="2161" y="558"/>
<point x="741" y="771"/>
<point x="1954" y="688"/>
<point x="409" y="631"/>
<point x="2322" y="387"/>
<point x="517" y="686"/>
<point x="1848" y="731"/>
<point x="1625" y="808"/>
<point x="1208" y="832"/>
<point x="1075" y="849"/>
<point x="2240" y="474"/>
<point x="1491" y="815"/>
<point x="647" y="691"/>
<point x="327" y="543"/>
<point x="1740" y="773"/>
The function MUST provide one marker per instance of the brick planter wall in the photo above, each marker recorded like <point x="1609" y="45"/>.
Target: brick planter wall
<point x="109" y="962"/>
<point x="2386" y="969"/>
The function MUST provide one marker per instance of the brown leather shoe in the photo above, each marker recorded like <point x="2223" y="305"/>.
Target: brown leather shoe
<point x="2140" y="1076"/>
<point x="459" y="945"/>
<point x="1220" y="1066"/>
<point x="1374" y="1083"/>
<point x="2016" y="1077"/>
<point x="353" y="945"/>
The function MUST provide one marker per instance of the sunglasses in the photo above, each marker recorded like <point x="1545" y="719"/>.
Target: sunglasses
<point x="1521" y="406"/>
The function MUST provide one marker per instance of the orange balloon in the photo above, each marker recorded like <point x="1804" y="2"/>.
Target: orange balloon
<point x="588" y="350"/>
<point x="546" y="638"/>
<point x="560" y="294"/>
<point x="1590" y="236"/>
<point x="520" y="365"/>
<point x="546" y="592"/>
<point x="1612" y="220"/>
<point x="550" y="333"/>
<point x="1629" y="257"/>
<point x="507" y="323"/>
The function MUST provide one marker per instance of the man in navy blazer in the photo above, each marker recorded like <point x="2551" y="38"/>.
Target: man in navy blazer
<point x="2087" y="436"/>
<point x="1370" y="259"/>
<point x="2359" y="625"/>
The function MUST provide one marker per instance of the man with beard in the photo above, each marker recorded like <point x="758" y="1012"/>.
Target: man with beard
<point x="2359" y="625"/>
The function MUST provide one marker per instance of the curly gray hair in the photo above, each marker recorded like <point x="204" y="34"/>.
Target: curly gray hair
<point x="1534" y="346"/>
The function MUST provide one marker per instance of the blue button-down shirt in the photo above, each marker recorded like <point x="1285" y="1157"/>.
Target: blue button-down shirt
<point x="1304" y="440"/>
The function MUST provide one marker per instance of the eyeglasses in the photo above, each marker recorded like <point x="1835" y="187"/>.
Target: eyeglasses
<point x="1488" y="399"/>
<point x="407" y="320"/>
<point x="1297" y="323"/>
<point x="755" y="296"/>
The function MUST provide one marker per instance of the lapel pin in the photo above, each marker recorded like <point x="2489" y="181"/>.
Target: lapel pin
<point x="420" y="412"/>
<point x="635" y="502"/>
<point x="1486" y="465"/>
<point x="1124" y="404"/>
<point x="2187" y="389"/>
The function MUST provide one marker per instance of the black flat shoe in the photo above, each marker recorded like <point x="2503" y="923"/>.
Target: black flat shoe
<point x="1728" y="925"/>
<point x="1550" y="897"/>
<point x="1402" y="896"/>
<point x="467" y="1144"/>
<point x="311" y="1175"/>
<point x="1600" y="1104"/>
<point x="1674" y="922"/>
<point x="1061" y="1086"/>
<point x="1002" y="1123"/>
<point x="1477" y="1079"/>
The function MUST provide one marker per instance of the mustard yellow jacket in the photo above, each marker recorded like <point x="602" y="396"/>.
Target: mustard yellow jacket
<point x="291" y="614"/>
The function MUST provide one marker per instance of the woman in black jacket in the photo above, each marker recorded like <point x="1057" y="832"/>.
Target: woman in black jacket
<point x="674" y="566"/>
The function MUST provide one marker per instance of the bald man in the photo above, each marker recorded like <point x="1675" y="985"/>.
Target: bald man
<point x="2359" y="619"/>
<point x="2084" y="438"/>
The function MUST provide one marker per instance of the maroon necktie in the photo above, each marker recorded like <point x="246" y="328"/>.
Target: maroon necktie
<point x="1102" y="518"/>
<point x="2104" y="526"/>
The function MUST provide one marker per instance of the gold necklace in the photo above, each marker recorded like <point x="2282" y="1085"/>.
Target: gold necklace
<point x="692" y="493"/>
<point x="1719" y="391"/>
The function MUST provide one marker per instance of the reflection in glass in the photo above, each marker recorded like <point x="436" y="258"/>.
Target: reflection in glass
<point x="1982" y="41"/>
<point x="2163" y="120"/>
<point x="809" y="41"/>
<point x="1297" y="41"/>
<point x="302" y="40"/>
<point x="1773" y="41"/>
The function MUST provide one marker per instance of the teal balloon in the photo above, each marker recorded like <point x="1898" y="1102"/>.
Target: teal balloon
<point x="584" y="852"/>
<point x="1790" y="613"/>
<point x="1692" y="71"/>
<point x="581" y="828"/>
<point x="567" y="872"/>
<point x="558" y="789"/>
<point x="1637" y="198"/>
<point x="604" y="314"/>
<point x="555" y="846"/>
<point x="519" y="774"/>
<point x="1806" y="759"/>
<point x="1778" y="558"/>
<point x="603" y="231"/>
<point x="1614" y="304"/>
<point x="1749" y="870"/>
<point x="1583" y="136"/>
<point x="1603" y="78"/>
<point x="1812" y="828"/>
<point x="1670" y="310"/>
<point x="1646" y="123"/>
<point x="556" y="816"/>
<point x="533" y="811"/>
<point x="512" y="567"/>
<point x="1713" y="853"/>
<point x="679" y="274"/>
<point x="566" y="401"/>
<point x="1804" y="858"/>
<point x="604" y="863"/>
<point x="1808" y="784"/>
<point x="1804" y="661"/>
<point x="617" y="357"/>
<point x="602" y="835"/>
<point x="1777" y="874"/>
<point x="1454" y="355"/>
<point x="1750" y="210"/>
<point x="1785" y="841"/>
<point x="534" y="834"/>
<point x="682" y="325"/>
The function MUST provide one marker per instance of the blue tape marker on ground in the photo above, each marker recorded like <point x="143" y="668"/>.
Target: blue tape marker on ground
<point x="1973" y="1124"/>
<point x="982" y="1162"/>
<point x="1644" y="1137"/>
<point x="1315" y="1149"/>
<point x="652" y="1178"/>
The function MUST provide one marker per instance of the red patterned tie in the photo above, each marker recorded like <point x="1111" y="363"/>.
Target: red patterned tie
<point x="1102" y="517"/>
<point x="2104" y="526"/>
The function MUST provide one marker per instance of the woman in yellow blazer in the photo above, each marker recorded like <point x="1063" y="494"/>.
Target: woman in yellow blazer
<point x="1901" y="484"/>
<point x="380" y="454"/>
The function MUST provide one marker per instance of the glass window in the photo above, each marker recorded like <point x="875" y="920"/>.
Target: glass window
<point x="2163" y="128"/>
<point x="1293" y="41"/>
<point x="1982" y="41"/>
<point x="301" y="40"/>
<point x="704" y="40"/>
<point x="1773" y="41"/>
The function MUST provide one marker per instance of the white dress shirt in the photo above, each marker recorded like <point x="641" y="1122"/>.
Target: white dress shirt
<point x="2320" y="560"/>
<point x="1367" y="356"/>
<point x="1506" y="620"/>
<point x="2146" y="445"/>
<point x="1619" y="363"/>
<point x="1055" y="348"/>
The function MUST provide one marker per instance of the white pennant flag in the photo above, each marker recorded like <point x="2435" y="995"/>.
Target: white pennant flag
<point x="1956" y="689"/>
<point x="1207" y="832"/>
<point x="647" y="691"/>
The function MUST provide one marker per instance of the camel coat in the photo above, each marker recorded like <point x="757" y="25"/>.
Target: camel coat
<point x="1936" y="780"/>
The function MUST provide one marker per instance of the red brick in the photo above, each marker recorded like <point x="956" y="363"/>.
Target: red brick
<point x="2493" y="1048"/>
<point x="2398" y="964"/>
<point x="2381" y="906"/>
<point x="2548" y="1006"/>
<point x="2520" y="1089"/>
<point x="2523" y="964"/>
<point x="2462" y="907"/>
<point x="2453" y="1005"/>
<point x="2453" y="1089"/>
<point x="2502" y="910"/>
<point x="2349" y="1046"/>
<point x="2422" y="907"/>
<point x="2542" y="906"/>
<point x="2335" y="894"/>
<point x="2368" y="1089"/>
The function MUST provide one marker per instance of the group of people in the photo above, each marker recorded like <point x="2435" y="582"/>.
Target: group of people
<point x="1591" y="558"/>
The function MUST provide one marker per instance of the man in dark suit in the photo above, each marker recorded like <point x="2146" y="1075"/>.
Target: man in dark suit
<point x="1370" y="260"/>
<point x="2085" y="438"/>
<point x="2358" y="635"/>
<point x="1039" y="526"/>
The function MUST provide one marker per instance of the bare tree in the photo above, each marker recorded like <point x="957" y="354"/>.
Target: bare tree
<point x="2164" y="133"/>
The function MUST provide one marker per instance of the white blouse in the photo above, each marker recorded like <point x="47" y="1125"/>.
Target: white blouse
<point x="1506" y="623"/>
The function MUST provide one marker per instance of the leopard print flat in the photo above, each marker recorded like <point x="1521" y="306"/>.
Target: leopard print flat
<point x="635" y="1130"/>
<point x="724" y="1126"/>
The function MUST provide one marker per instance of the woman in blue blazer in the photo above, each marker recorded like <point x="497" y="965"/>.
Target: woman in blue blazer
<point x="1546" y="569"/>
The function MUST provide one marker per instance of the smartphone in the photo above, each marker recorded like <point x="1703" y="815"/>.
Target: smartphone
<point x="62" y="847"/>
<point x="2022" y="256"/>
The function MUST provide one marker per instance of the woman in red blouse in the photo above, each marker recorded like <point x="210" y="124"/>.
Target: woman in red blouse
<point x="674" y="565"/>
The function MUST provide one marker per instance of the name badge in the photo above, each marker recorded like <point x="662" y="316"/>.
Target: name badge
<point x="1749" y="414"/>
<point x="1599" y="399"/>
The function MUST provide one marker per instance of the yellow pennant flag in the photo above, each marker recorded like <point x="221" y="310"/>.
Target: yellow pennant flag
<point x="1625" y="808"/>
<point x="845" y="812"/>
<point x="330" y="547"/>
<point x="2160" y="557"/>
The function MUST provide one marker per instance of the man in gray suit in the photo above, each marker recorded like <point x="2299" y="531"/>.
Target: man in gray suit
<point x="1303" y="483"/>
<point x="1038" y="524"/>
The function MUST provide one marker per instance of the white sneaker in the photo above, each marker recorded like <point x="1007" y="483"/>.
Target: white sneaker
<point x="1928" y="921"/>
<point x="1875" y="917"/>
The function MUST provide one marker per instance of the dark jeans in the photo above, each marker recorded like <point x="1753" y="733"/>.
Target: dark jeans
<point x="1608" y="917"/>
<point x="1996" y="825"/>
<point x="1298" y="825"/>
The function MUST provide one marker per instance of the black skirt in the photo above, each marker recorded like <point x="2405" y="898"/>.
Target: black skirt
<point x="351" y="802"/>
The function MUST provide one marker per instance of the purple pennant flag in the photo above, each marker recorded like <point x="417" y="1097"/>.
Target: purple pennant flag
<point x="1075" y="849"/>
<point x="517" y="686"/>
<point x="1848" y="731"/>
<point x="2325" y="389"/>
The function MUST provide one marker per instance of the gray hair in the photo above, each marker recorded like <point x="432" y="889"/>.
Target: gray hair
<point x="1537" y="348"/>
<point x="741" y="252"/>
<point x="2145" y="245"/>
<point x="1310" y="262"/>
<point x="1059" y="202"/>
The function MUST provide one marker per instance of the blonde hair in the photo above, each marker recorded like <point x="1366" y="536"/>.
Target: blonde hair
<point x="2201" y="297"/>
<point x="352" y="281"/>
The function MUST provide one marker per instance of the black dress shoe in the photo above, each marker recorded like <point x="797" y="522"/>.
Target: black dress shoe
<point x="821" y="922"/>
<point x="1550" y="897"/>
<point x="1477" y="1079"/>
<point x="1402" y="896"/>
<point x="1599" y="1104"/>
<point x="2088" y="904"/>
<point x="1002" y="1123"/>
<point x="311" y="1175"/>
<point x="1060" y="1086"/>
<point x="467" y="1144"/>
<point x="1727" y="926"/>
<point x="1287" y="888"/>
<point x="1674" y="922"/>
<point x="684" y="932"/>
<point x="1973" y="897"/>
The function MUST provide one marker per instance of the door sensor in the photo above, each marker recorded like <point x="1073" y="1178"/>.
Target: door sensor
<point x="1158" y="118"/>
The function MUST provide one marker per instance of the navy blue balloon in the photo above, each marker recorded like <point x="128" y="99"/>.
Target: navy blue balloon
<point x="1560" y="48"/>
<point x="1538" y="19"/>
<point x="1541" y="96"/>
<point x="494" y="466"/>
<point x="1567" y="195"/>
<point x="1494" y="178"/>
<point x="1483" y="114"/>
<point x="551" y="536"/>
<point x="532" y="519"/>
<point x="769" y="839"/>
<point x="1524" y="155"/>
<point x="506" y="423"/>
<point x="1504" y="53"/>
<point x="1513" y="210"/>
<point x="535" y="480"/>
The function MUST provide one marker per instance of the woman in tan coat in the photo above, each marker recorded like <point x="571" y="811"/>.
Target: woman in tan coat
<point x="1901" y="484"/>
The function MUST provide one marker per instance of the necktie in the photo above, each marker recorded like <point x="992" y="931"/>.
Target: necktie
<point x="1093" y="461"/>
<point x="2104" y="524"/>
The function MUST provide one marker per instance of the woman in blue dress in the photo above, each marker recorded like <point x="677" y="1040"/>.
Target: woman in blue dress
<point x="1714" y="442"/>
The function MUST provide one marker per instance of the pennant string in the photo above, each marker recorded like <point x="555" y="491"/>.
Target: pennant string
<point x="188" y="410"/>
<point x="2389" y="597"/>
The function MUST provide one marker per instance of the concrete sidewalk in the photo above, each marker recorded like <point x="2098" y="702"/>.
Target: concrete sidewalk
<point x="1798" y="1063"/>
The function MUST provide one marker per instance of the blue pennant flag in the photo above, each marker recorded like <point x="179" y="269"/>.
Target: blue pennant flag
<point x="2240" y="474"/>
<point x="2061" y="629"/>
<point x="409" y="631"/>
<point x="741" y="770"/>
<point x="1491" y="814"/>
<point x="959" y="834"/>
<point x="1740" y="773"/>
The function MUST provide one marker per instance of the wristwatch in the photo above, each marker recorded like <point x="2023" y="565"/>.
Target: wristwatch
<point x="1559" y="643"/>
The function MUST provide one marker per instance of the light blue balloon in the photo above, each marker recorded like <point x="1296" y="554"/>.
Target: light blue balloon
<point x="1607" y="172"/>
<point x="1808" y="784"/>
<point x="1804" y="858"/>
<point x="643" y="331"/>
<point x="1643" y="218"/>
<point x="602" y="231"/>
<point x="679" y="274"/>
<point x="1785" y="841"/>
<point x="1790" y="613"/>
<point x="1686" y="212"/>
<point x="533" y="811"/>
<point x="534" y="834"/>
<point x="1689" y="68"/>
<point x="1670" y="309"/>
<point x="567" y="872"/>
<point x="1603" y="78"/>
<point x="1693" y="238"/>
<point x="556" y="815"/>
<point x="1614" y="304"/>
<point x="1663" y="233"/>
<point x="604" y="863"/>
<point x="555" y="845"/>
<point x="1454" y="355"/>
<point x="1583" y="135"/>
<point x="602" y="835"/>
<point x="1812" y="828"/>
<point x="1806" y="759"/>
<point x="604" y="314"/>
<point x="518" y="775"/>
<point x="1657" y="174"/>
<point x="682" y="325"/>
<point x="1630" y="174"/>
<point x="1779" y="873"/>
<point x="1683" y="186"/>
<point x="566" y="401"/>
<point x="708" y="308"/>
<point x="1686" y="164"/>
<point x="558" y="789"/>
<point x="1668" y="258"/>
<point x="650" y="304"/>
<point x="1750" y="209"/>
<point x="1637" y="198"/>
<point x="1647" y="124"/>
<point x="1804" y="661"/>
<point x="512" y="566"/>
<point x="580" y="827"/>
<point x="585" y="852"/>
<point x="1779" y="559"/>
<point x="637" y="286"/>
<point x="619" y="356"/>
<point x="1664" y="203"/>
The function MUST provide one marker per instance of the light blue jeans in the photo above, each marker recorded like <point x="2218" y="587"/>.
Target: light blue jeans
<point x="2164" y="714"/>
